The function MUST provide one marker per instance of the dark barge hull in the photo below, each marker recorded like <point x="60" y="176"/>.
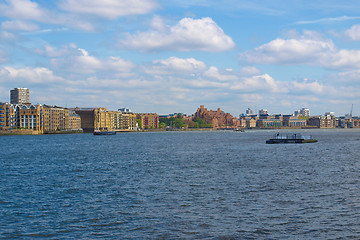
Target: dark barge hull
<point x="279" y="141"/>
<point x="104" y="133"/>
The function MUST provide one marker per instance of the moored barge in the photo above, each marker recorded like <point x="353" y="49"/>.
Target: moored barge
<point x="104" y="133"/>
<point x="290" y="138"/>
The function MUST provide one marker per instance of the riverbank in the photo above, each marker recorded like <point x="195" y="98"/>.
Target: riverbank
<point x="34" y="132"/>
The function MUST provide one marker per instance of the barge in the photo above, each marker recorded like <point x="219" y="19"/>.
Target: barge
<point x="104" y="133"/>
<point x="290" y="138"/>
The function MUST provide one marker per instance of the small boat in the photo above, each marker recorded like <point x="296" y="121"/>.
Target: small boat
<point x="239" y="130"/>
<point x="104" y="133"/>
<point x="290" y="138"/>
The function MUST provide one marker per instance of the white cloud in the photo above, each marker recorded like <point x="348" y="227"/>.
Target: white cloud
<point x="22" y="9"/>
<point x="19" y="25"/>
<point x="84" y="63"/>
<point x="261" y="83"/>
<point x="28" y="75"/>
<point x="187" y="35"/>
<point x="213" y="72"/>
<point x="353" y="33"/>
<point x="308" y="49"/>
<point x="25" y="10"/>
<point x="291" y="51"/>
<point x="110" y="9"/>
<point x="174" y="65"/>
<point x="307" y="87"/>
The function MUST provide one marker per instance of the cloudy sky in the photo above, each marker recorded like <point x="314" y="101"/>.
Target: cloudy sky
<point x="172" y="56"/>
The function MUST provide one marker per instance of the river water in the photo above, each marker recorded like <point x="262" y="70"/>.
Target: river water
<point x="180" y="185"/>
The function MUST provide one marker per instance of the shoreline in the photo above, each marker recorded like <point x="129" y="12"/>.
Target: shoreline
<point x="24" y="132"/>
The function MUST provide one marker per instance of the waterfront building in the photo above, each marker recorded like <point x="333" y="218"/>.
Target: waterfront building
<point x="242" y="122"/>
<point x="269" y="123"/>
<point x="129" y="121"/>
<point x="56" y="118"/>
<point x="294" y="122"/>
<point x="103" y="119"/>
<point x="31" y="117"/>
<point x="118" y="120"/>
<point x="356" y="122"/>
<point x="95" y="119"/>
<point x="148" y="120"/>
<point x="26" y="116"/>
<point x="74" y="121"/>
<point x="217" y="118"/>
<point x="124" y="121"/>
<point x="251" y="122"/>
<point x="19" y="96"/>
<point x="7" y="116"/>
<point x="327" y="121"/>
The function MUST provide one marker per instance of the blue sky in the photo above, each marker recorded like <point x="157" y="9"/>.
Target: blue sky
<point x="172" y="56"/>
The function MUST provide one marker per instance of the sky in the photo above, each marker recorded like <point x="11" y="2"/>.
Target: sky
<point x="170" y="56"/>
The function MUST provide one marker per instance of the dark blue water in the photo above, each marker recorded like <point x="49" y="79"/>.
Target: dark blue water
<point x="180" y="185"/>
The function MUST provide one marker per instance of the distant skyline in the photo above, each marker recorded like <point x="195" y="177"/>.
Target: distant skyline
<point x="173" y="56"/>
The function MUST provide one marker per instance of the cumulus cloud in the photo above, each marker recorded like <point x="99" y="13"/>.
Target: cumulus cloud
<point x="262" y="82"/>
<point x="84" y="63"/>
<point x="306" y="86"/>
<point x="174" y="65"/>
<point x="353" y="33"/>
<point x="214" y="73"/>
<point x="28" y="75"/>
<point x="290" y="51"/>
<point x="303" y="50"/>
<point x="110" y="9"/>
<point x="187" y="35"/>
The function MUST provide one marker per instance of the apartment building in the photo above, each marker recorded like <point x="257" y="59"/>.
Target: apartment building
<point x="148" y="120"/>
<point x="74" y="121"/>
<point x="19" y="96"/>
<point x="27" y="116"/>
<point x="129" y="121"/>
<point x="327" y="121"/>
<point x="7" y="116"/>
<point x="95" y="119"/>
<point x="56" y="118"/>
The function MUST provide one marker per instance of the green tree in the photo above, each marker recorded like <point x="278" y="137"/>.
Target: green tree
<point x="139" y="123"/>
<point x="173" y="122"/>
<point x="201" y="123"/>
